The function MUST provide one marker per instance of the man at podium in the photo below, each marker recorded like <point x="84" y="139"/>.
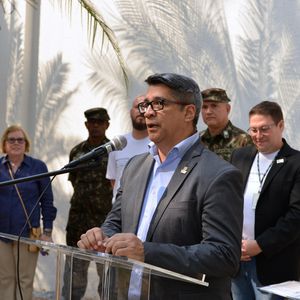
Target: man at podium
<point x="179" y="206"/>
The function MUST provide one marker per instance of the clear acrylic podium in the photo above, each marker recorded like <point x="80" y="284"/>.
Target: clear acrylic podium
<point x="116" y="272"/>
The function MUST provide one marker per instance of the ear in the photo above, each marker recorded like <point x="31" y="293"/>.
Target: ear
<point x="228" y="107"/>
<point x="86" y="124"/>
<point x="107" y="124"/>
<point x="190" y="112"/>
<point x="281" y="125"/>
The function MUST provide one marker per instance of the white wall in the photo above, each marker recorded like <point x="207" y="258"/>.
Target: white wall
<point x="250" y="48"/>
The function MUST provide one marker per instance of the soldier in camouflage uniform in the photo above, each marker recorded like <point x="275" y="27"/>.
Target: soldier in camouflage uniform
<point x="221" y="136"/>
<point x="91" y="201"/>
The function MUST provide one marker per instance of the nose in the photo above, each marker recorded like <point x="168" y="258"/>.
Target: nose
<point x="149" y="112"/>
<point x="259" y="134"/>
<point x="208" y="110"/>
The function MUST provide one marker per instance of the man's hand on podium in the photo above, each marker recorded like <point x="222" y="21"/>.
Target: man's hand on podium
<point x="121" y="244"/>
<point x="93" y="239"/>
<point x="125" y="244"/>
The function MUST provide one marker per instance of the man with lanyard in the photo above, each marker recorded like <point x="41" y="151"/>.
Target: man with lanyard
<point x="271" y="235"/>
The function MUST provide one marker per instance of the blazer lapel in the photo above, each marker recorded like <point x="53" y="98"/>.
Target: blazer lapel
<point x="181" y="173"/>
<point x="277" y="165"/>
<point x="279" y="162"/>
<point x="246" y="166"/>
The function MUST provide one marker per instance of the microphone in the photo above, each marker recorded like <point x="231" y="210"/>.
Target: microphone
<point x="117" y="143"/>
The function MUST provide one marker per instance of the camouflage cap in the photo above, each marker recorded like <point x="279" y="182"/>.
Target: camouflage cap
<point x="215" y="94"/>
<point x="97" y="113"/>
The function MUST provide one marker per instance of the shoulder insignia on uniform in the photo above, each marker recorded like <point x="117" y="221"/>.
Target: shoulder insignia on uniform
<point x="226" y="134"/>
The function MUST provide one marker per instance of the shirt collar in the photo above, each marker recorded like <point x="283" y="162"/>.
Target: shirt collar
<point x="25" y="160"/>
<point x="179" y="150"/>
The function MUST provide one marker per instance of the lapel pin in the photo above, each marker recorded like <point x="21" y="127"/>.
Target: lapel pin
<point x="184" y="170"/>
<point x="280" y="161"/>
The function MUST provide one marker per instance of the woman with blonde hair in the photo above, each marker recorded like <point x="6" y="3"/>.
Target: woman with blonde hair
<point x="16" y="203"/>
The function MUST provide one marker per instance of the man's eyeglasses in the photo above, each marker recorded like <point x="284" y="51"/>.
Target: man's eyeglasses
<point x="15" y="140"/>
<point x="156" y="105"/>
<point x="263" y="129"/>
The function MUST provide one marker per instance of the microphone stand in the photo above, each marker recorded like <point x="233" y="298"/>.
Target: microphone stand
<point x="92" y="164"/>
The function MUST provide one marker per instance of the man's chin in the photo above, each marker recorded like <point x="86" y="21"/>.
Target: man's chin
<point x="211" y="123"/>
<point x="261" y="148"/>
<point x="153" y="136"/>
<point x="97" y="136"/>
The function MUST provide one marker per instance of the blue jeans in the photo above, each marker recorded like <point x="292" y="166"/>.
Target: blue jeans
<point x="245" y="285"/>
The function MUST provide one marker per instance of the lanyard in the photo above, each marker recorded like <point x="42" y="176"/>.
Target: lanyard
<point x="261" y="179"/>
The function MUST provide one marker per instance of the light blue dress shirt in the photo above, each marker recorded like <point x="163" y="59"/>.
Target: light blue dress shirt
<point x="160" y="178"/>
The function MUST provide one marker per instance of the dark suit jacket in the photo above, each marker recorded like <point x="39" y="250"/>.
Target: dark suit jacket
<point x="277" y="214"/>
<point x="196" y="227"/>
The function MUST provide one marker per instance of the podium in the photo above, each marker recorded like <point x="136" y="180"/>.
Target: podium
<point x="116" y="272"/>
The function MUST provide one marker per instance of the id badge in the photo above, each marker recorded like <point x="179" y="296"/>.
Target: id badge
<point x="254" y="200"/>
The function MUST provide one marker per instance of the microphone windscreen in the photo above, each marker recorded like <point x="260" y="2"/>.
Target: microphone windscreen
<point x="119" y="142"/>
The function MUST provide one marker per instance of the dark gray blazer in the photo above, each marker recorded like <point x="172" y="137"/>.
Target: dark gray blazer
<point x="197" y="225"/>
<point x="277" y="214"/>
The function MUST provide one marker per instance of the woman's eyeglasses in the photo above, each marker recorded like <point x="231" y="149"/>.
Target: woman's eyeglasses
<point x="15" y="140"/>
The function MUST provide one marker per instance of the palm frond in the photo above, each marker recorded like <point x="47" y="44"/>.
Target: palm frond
<point x="105" y="79"/>
<point x="267" y="52"/>
<point x="171" y="36"/>
<point x="96" y="22"/>
<point x="51" y="101"/>
<point x="95" y="19"/>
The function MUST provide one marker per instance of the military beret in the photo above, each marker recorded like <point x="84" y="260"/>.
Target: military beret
<point x="97" y="113"/>
<point x="215" y="94"/>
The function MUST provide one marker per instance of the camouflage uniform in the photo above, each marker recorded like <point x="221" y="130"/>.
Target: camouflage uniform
<point x="90" y="203"/>
<point x="92" y="196"/>
<point x="224" y="143"/>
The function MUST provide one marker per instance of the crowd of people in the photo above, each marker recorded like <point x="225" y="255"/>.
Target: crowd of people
<point x="222" y="202"/>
